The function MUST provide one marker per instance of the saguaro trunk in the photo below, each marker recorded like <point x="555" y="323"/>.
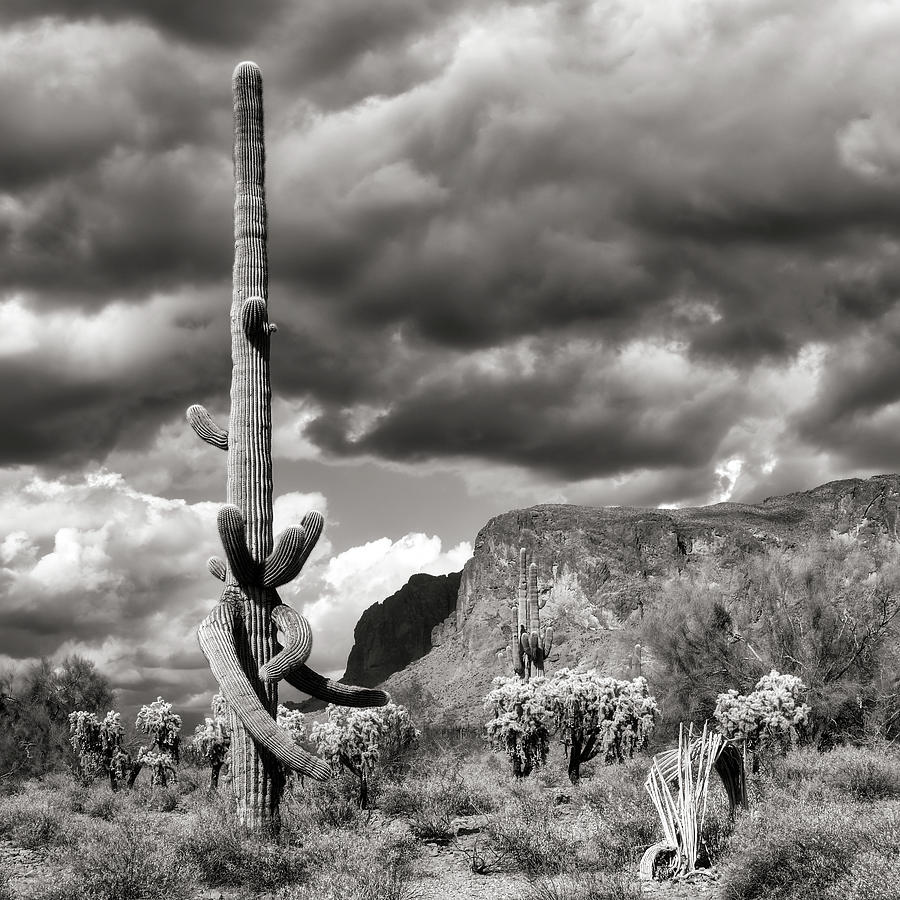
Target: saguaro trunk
<point x="239" y="637"/>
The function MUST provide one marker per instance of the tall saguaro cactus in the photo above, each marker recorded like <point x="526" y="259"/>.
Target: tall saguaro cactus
<point x="240" y="636"/>
<point x="530" y="645"/>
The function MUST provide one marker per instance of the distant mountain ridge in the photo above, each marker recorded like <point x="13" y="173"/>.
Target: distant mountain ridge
<point x="605" y="560"/>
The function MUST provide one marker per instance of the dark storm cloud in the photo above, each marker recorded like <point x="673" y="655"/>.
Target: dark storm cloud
<point x="226" y="22"/>
<point x="447" y="181"/>
<point x="528" y="412"/>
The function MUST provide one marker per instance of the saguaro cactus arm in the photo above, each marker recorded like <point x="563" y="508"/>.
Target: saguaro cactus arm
<point x="233" y="532"/>
<point x="217" y="640"/>
<point x="297" y="646"/>
<point x="206" y="429"/>
<point x="291" y="551"/>
<point x="310" y="682"/>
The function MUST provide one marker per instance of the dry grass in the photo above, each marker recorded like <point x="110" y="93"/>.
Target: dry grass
<point x="822" y="827"/>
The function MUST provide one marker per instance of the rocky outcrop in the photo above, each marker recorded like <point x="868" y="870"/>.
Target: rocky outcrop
<point x="597" y="566"/>
<point x="393" y="633"/>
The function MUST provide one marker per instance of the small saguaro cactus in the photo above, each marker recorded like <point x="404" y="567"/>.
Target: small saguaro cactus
<point x="239" y="637"/>
<point x="530" y="645"/>
<point x="634" y="662"/>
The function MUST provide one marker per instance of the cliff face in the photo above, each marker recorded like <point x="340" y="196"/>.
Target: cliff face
<point x="605" y="561"/>
<point x="393" y="633"/>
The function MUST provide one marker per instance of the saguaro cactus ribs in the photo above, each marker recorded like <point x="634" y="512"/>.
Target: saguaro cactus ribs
<point x="239" y="637"/>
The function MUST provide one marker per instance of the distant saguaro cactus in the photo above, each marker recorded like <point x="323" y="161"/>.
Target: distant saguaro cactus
<point x="238" y="637"/>
<point x="530" y="645"/>
<point x="634" y="662"/>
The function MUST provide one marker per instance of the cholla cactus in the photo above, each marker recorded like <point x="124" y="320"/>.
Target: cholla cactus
<point x="530" y="645"/>
<point x="99" y="746"/>
<point x="521" y="722"/>
<point x="238" y="637"/>
<point x="292" y="721"/>
<point x="357" y="740"/>
<point x="161" y="756"/>
<point x="598" y="716"/>
<point x="212" y="740"/>
<point x="773" y="712"/>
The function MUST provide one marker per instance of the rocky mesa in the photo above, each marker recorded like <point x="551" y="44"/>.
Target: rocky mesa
<point x="595" y="566"/>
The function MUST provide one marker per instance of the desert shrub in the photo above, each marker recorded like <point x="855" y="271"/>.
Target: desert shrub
<point x="434" y="793"/>
<point x="532" y="837"/>
<point x="123" y="861"/>
<point x="351" y="864"/>
<point x="521" y="722"/>
<point x="599" y="717"/>
<point x="585" y="886"/>
<point x="319" y="806"/>
<point x="854" y="773"/>
<point x="212" y="843"/>
<point x="34" y="825"/>
<point x="34" y="711"/>
<point x="358" y="740"/>
<point x="804" y="851"/>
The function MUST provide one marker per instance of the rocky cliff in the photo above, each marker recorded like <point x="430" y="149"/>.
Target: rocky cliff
<point x="596" y="566"/>
<point x="393" y="633"/>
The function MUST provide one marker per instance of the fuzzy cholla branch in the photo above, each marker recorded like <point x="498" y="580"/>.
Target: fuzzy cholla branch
<point x="161" y="757"/>
<point x="774" y="711"/>
<point x="358" y="739"/>
<point x="521" y="722"/>
<point x="99" y="745"/>
<point x="292" y="721"/>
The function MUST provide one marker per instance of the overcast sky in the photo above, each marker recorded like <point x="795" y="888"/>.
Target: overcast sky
<point x="621" y="252"/>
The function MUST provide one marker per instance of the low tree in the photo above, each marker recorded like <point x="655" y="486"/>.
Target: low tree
<point x="34" y="713"/>
<point x="521" y="722"/>
<point x="212" y="740"/>
<point x="826" y="611"/>
<point x="598" y="716"/>
<point x="357" y="740"/>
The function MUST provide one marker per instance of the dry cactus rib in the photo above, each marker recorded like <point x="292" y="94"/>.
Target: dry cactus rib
<point x="217" y="640"/>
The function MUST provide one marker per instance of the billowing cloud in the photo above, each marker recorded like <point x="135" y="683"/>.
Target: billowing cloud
<point x="449" y="185"/>
<point x="91" y="565"/>
<point x="591" y="251"/>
